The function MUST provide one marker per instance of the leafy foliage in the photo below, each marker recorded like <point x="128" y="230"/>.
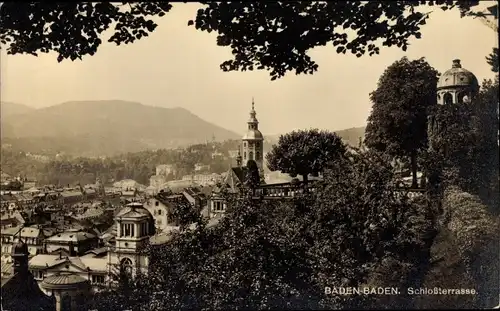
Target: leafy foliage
<point x="397" y="124"/>
<point x="262" y="35"/>
<point x="465" y="253"/>
<point x="74" y="29"/>
<point x="253" y="177"/>
<point x="305" y="152"/>
<point x="465" y="139"/>
<point x="281" y="255"/>
<point x="492" y="60"/>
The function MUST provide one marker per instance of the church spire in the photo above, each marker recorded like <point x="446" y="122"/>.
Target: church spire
<point x="253" y="117"/>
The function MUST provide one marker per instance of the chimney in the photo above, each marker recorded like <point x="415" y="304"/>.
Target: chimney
<point x="456" y="64"/>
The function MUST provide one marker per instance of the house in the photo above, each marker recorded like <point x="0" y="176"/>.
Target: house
<point x="71" y="196"/>
<point x="235" y="177"/>
<point x="160" y="210"/>
<point x="195" y="197"/>
<point x="34" y="237"/>
<point x="11" y="219"/>
<point x="72" y="242"/>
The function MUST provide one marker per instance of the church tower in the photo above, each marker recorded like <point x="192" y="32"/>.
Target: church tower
<point x="253" y="141"/>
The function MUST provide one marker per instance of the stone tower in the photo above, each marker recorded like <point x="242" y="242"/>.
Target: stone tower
<point x="253" y="142"/>
<point x="457" y="85"/>
<point x="456" y="90"/>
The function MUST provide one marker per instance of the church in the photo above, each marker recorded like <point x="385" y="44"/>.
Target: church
<point x="252" y="148"/>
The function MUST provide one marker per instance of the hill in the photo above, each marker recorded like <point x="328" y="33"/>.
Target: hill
<point x="94" y="128"/>
<point x="352" y="135"/>
<point x="8" y="109"/>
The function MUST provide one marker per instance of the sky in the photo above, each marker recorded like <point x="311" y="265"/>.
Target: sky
<point x="178" y="66"/>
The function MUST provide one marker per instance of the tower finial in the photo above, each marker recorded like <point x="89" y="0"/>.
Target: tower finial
<point x="253" y="104"/>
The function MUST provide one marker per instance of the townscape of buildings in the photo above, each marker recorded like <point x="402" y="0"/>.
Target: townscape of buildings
<point x="74" y="240"/>
<point x="71" y="236"/>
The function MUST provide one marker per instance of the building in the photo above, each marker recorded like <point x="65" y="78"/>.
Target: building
<point x="34" y="237"/>
<point x="165" y="170"/>
<point x="203" y="179"/>
<point x="159" y="209"/>
<point x="20" y="291"/>
<point x="134" y="227"/>
<point x="252" y="149"/>
<point x="253" y="141"/>
<point x="72" y="242"/>
<point x="457" y="85"/>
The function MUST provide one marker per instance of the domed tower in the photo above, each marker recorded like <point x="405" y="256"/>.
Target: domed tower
<point x="253" y="141"/>
<point x="134" y="226"/>
<point x="457" y="85"/>
<point x="457" y="89"/>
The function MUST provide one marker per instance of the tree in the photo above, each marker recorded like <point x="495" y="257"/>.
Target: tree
<point x="262" y="35"/>
<point x="184" y="214"/>
<point x="305" y="152"/>
<point x="492" y="60"/>
<point x="252" y="176"/>
<point x="280" y="255"/>
<point x="398" y="121"/>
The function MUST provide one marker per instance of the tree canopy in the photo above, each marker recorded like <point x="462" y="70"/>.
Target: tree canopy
<point x="281" y="255"/>
<point x="272" y="36"/>
<point x="397" y="124"/>
<point x="305" y="152"/>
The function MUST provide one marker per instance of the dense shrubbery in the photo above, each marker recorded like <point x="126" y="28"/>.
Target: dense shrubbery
<point x="269" y="254"/>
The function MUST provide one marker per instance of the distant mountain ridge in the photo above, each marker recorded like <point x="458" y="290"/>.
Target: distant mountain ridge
<point x="8" y="109"/>
<point x="106" y="128"/>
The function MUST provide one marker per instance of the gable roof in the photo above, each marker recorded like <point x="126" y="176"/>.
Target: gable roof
<point x="83" y="263"/>
<point x="235" y="176"/>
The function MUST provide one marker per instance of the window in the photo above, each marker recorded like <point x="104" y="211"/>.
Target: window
<point x="257" y="155"/>
<point x="97" y="279"/>
<point x="37" y="274"/>
<point x="245" y="155"/>
<point x="126" y="265"/>
<point x="448" y="99"/>
<point x="158" y="222"/>
<point x="159" y="212"/>
<point x="157" y="203"/>
<point x="218" y="206"/>
<point x="250" y="155"/>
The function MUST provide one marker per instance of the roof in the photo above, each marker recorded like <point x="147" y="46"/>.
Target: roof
<point x="457" y="77"/>
<point x="97" y="251"/>
<point x="64" y="281"/>
<point x="70" y="236"/>
<point x="235" y="176"/>
<point x="6" y="269"/>
<point x="83" y="263"/>
<point x="69" y="194"/>
<point x="11" y="231"/>
<point x="253" y="135"/>
<point x="21" y="292"/>
<point x="133" y="210"/>
<point x="31" y="232"/>
<point x="91" y="212"/>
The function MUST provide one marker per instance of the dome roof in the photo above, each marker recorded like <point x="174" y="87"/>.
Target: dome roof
<point x="253" y="134"/>
<point x="64" y="281"/>
<point x="134" y="210"/>
<point x="457" y="77"/>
